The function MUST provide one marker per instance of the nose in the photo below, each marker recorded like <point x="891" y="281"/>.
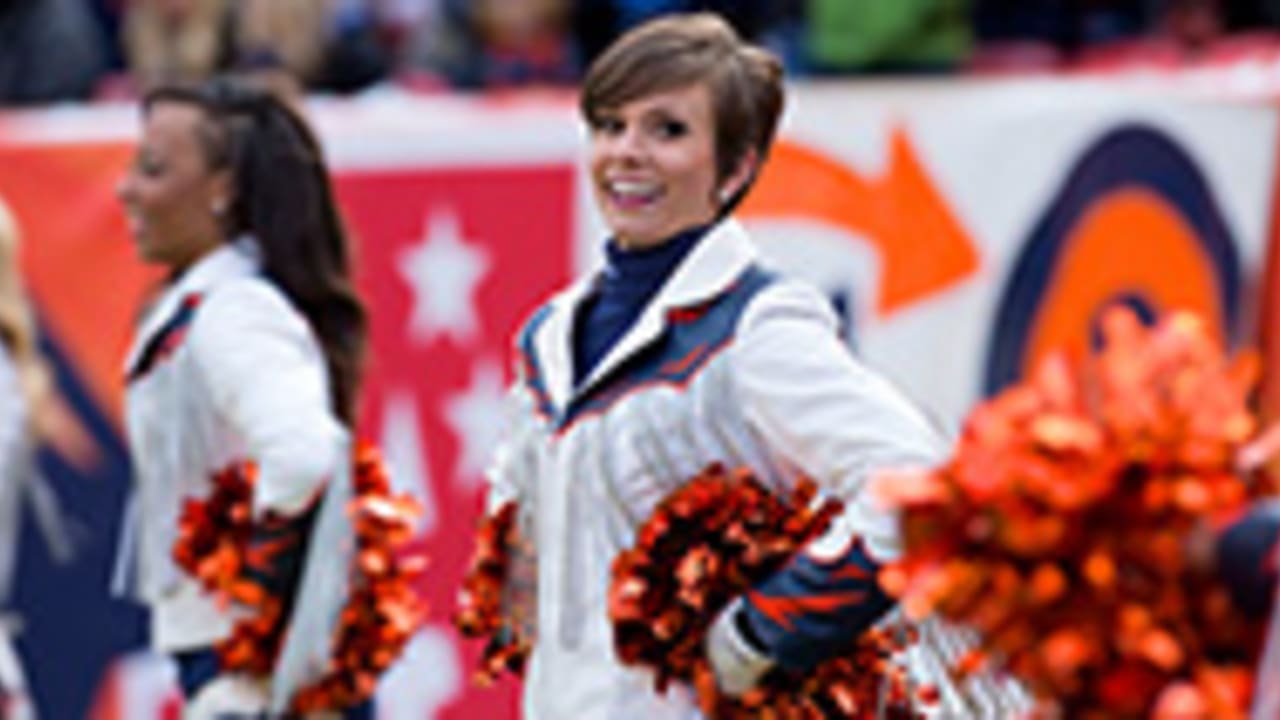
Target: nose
<point x="124" y="188"/>
<point x="627" y="144"/>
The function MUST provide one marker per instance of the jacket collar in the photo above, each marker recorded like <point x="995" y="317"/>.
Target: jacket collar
<point x="232" y="260"/>
<point x="707" y="271"/>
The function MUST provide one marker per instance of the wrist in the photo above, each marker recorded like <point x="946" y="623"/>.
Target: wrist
<point x="742" y="623"/>
<point x="736" y="654"/>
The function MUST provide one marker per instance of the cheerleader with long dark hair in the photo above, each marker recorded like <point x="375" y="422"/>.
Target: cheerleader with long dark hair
<point x="252" y="352"/>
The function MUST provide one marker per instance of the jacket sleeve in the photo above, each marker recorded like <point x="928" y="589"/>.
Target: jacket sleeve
<point x="266" y="376"/>
<point x="514" y="462"/>
<point x="839" y="423"/>
<point x="512" y="465"/>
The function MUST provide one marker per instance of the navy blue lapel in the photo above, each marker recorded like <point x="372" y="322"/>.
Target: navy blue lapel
<point x="165" y="340"/>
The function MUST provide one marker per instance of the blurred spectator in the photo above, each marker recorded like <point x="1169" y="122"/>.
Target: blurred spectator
<point x="1068" y="25"/>
<point x="899" y="36"/>
<point x="288" y="32"/>
<point x="1023" y="21"/>
<point x="358" y="49"/>
<point x="1192" y="24"/>
<point x="107" y="15"/>
<point x="1253" y="14"/>
<point x="326" y="44"/>
<point x="1102" y="21"/>
<point x="748" y="17"/>
<point x="1111" y="35"/>
<point x="398" y="19"/>
<point x="596" y="23"/>
<point x="497" y="43"/>
<point x="49" y="50"/>
<point x="323" y="44"/>
<point x="170" y="41"/>
<point x="1178" y="32"/>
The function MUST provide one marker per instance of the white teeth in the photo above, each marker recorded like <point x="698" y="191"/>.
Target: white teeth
<point x="632" y="189"/>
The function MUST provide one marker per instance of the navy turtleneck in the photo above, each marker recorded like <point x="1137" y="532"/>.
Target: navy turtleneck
<point x="629" y="280"/>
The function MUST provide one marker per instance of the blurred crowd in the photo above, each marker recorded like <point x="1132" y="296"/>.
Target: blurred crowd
<point x="54" y="50"/>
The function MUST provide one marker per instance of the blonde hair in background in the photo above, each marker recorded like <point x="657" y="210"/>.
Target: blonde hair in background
<point x="17" y="324"/>
<point x="48" y="419"/>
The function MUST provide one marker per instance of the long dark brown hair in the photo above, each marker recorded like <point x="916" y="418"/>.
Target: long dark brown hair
<point x="282" y="197"/>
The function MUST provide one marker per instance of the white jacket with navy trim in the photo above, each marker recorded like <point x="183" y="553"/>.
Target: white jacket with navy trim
<point x="223" y="370"/>
<point x="726" y="364"/>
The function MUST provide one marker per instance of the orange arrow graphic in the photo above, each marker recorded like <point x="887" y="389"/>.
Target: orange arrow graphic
<point x="76" y="255"/>
<point x="923" y="248"/>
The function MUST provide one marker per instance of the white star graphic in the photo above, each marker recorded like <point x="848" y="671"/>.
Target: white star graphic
<point x="407" y="457"/>
<point x="478" y="418"/>
<point x="443" y="272"/>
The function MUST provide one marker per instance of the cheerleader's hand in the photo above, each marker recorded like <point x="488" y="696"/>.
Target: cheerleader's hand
<point x="736" y="663"/>
<point x="1261" y="450"/>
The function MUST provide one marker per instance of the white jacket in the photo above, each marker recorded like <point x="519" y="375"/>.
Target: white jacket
<point x="237" y="375"/>
<point x="16" y="468"/>
<point x="762" y="379"/>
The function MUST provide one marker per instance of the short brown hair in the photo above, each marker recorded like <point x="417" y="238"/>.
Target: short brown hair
<point x="678" y="50"/>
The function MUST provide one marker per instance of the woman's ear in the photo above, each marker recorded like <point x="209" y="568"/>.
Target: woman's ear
<point x="221" y="192"/>
<point x="741" y="176"/>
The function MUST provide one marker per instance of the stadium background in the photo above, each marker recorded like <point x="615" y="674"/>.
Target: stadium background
<point x="961" y="226"/>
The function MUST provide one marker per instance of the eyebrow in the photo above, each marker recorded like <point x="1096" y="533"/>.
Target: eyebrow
<point x="665" y="111"/>
<point x="662" y="111"/>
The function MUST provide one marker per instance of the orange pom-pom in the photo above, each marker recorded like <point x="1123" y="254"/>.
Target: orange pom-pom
<point x="1059" y="528"/>
<point x="497" y="597"/>
<point x="381" y="613"/>
<point x="709" y="542"/>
